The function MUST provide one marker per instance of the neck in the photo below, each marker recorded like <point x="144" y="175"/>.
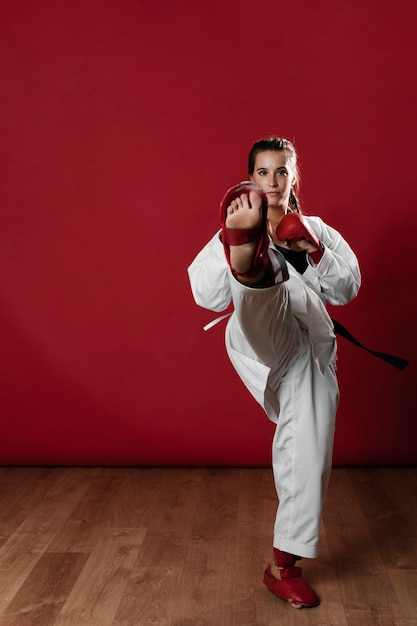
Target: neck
<point x="274" y="216"/>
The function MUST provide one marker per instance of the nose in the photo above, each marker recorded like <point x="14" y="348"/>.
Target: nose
<point x="272" y="180"/>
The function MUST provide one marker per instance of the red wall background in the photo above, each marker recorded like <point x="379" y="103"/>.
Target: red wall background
<point x="122" y="124"/>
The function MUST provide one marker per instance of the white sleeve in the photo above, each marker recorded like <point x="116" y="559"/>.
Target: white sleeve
<point x="209" y="276"/>
<point x="336" y="278"/>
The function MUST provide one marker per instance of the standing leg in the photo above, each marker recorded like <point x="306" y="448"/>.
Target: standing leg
<point x="302" y="453"/>
<point x="302" y="457"/>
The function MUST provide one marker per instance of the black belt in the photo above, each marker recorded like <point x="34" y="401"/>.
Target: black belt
<point x="396" y="361"/>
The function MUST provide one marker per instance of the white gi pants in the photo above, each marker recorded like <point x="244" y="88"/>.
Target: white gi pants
<point x="266" y="342"/>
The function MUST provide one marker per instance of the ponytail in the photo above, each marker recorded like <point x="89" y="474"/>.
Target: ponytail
<point x="294" y="203"/>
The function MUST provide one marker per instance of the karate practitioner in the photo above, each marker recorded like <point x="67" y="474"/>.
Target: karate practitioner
<point x="279" y="268"/>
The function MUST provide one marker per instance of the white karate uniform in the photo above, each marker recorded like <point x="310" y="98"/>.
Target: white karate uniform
<point x="281" y="342"/>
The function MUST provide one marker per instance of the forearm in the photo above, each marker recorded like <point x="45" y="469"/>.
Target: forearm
<point x="337" y="275"/>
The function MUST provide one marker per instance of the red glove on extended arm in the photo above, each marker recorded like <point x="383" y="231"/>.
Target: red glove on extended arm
<point x="293" y="228"/>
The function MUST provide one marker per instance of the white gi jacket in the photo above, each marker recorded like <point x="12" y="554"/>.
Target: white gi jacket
<point x="335" y="279"/>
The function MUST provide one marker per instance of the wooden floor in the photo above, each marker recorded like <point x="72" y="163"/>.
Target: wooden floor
<point x="187" y="547"/>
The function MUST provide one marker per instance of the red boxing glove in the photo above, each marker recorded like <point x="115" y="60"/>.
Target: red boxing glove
<point x="293" y="228"/>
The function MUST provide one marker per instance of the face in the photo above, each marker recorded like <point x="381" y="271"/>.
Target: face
<point x="275" y="173"/>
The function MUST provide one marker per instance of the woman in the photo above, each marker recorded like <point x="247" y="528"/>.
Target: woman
<point x="280" y="268"/>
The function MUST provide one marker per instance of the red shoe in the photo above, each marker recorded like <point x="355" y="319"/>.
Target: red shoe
<point x="292" y="587"/>
<point x="235" y="237"/>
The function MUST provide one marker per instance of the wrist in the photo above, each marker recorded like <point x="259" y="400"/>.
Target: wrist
<point x="317" y="255"/>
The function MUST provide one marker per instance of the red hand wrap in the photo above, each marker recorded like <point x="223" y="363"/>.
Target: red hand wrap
<point x="293" y="228"/>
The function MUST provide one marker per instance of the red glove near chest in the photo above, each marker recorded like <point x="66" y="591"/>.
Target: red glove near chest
<point x="293" y="228"/>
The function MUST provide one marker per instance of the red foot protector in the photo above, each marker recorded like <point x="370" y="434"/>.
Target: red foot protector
<point x="235" y="237"/>
<point x="293" y="227"/>
<point x="292" y="587"/>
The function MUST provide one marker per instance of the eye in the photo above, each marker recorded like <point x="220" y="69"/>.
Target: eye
<point x="262" y="172"/>
<point x="282" y="172"/>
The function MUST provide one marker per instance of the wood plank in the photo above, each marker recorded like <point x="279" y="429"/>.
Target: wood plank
<point x="88" y="519"/>
<point x="44" y="591"/>
<point x="136" y="499"/>
<point x="405" y="584"/>
<point x="96" y="596"/>
<point x="203" y="593"/>
<point x="366" y="591"/>
<point x="215" y="517"/>
<point x="57" y="503"/>
<point x="172" y="518"/>
<point x="386" y="517"/>
<point x="149" y="597"/>
<point x="252" y="603"/>
<point x="18" y="556"/>
<point x="23" y="489"/>
<point x="188" y="547"/>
